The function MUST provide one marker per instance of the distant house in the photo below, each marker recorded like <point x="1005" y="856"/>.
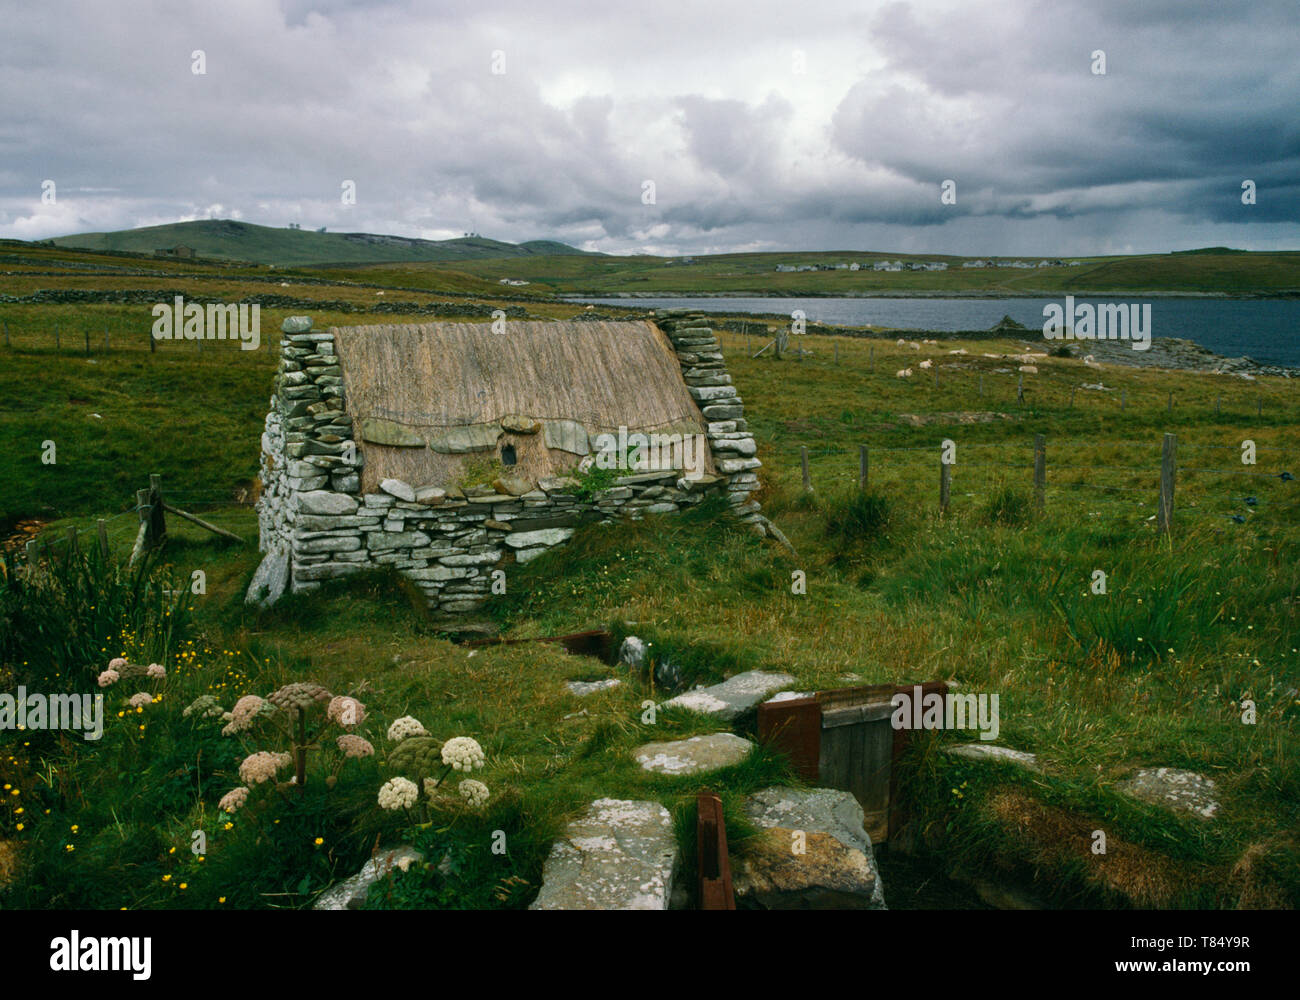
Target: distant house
<point x="180" y="250"/>
<point x="855" y="266"/>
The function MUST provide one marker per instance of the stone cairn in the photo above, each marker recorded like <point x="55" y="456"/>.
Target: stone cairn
<point x="315" y="524"/>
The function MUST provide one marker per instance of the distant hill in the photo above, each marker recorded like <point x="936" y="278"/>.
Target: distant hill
<point x="229" y="240"/>
<point x="1214" y="250"/>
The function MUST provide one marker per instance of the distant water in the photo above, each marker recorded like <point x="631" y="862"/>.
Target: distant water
<point x="1267" y="330"/>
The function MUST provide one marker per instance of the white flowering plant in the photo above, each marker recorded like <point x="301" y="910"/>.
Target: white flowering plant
<point x="418" y="756"/>
<point x="304" y="718"/>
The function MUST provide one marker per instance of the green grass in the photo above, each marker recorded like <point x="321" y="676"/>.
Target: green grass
<point x="993" y="594"/>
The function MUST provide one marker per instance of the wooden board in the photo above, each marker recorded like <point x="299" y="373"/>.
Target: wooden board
<point x="794" y="728"/>
<point x="857" y="749"/>
<point x="713" y="861"/>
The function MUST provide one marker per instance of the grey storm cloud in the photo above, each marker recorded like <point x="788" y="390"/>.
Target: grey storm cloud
<point x="761" y="125"/>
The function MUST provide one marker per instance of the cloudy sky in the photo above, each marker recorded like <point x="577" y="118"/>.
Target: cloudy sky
<point x="762" y="125"/>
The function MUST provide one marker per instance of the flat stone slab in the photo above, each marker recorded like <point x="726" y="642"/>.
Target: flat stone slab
<point x="838" y="870"/>
<point x="788" y="696"/>
<point x="584" y="688"/>
<point x="825" y="875"/>
<point x="539" y="538"/>
<point x="733" y="697"/>
<point x="620" y="855"/>
<point x="1183" y="791"/>
<point x="989" y="752"/>
<point x="270" y="578"/>
<point x="350" y="894"/>
<point x="695" y="755"/>
<point x="399" y="489"/>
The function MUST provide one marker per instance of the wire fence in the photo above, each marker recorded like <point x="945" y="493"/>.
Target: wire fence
<point x="149" y="510"/>
<point x="1175" y="472"/>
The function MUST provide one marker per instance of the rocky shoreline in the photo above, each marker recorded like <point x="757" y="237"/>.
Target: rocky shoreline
<point x="1173" y="353"/>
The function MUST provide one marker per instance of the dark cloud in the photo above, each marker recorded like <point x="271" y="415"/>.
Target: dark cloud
<point x="761" y="125"/>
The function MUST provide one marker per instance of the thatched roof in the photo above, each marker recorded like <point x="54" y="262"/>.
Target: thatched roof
<point x="429" y="399"/>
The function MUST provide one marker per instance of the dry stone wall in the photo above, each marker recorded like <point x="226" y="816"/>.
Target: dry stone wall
<point x="315" y="524"/>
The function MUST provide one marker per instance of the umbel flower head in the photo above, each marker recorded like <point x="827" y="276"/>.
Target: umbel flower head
<point x="156" y="671"/>
<point x="473" y="791"/>
<point x="233" y="800"/>
<point x="398" y="793"/>
<point x="353" y="745"/>
<point x="463" y="753"/>
<point x="261" y="766"/>
<point x="299" y="695"/>
<point x="140" y="698"/>
<point x="117" y="663"/>
<point x="415" y="755"/>
<point x="109" y="676"/>
<point x="346" y="711"/>
<point x="205" y="706"/>
<point x="243" y="714"/>
<point x="405" y="727"/>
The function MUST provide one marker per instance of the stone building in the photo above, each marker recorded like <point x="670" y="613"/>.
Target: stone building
<point x="454" y="450"/>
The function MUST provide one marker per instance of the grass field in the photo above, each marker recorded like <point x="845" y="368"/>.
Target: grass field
<point x="993" y="594"/>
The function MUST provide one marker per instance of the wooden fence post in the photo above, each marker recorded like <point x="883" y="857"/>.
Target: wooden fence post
<point x="142" y="508"/>
<point x="1072" y="397"/>
<point x="56" y="336"/>
<point x="862" y="467"/>
<point x="871" y="355"/>
<point x="157" y="521"/>
<point x="101" y="529"/>
<point x="87" y="343"/>
<point x="1020" y="388"/>
<point x="1168" y="463"/>
<point x="1123" y="400"/>
<point x="1040" y="470"/>
<point x="153" y="342"/>
<point x="945" y="483"/>
<point x="803" y="458"/>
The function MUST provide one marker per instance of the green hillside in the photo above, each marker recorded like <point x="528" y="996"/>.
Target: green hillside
<point x="230" y="240"/>
<point x="1204" y="272"/>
